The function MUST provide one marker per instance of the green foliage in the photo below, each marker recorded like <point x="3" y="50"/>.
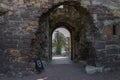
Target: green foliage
<point x="59" y="42"/>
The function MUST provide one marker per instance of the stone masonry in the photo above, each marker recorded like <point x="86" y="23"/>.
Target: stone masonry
<point x="24" y="32"/>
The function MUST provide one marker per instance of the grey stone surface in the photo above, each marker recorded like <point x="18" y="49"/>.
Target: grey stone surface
<point x="113" y="51"/>
<point x="69" y="72"/>
<point x="111" y="42"/>
<point x="99" y="45"/>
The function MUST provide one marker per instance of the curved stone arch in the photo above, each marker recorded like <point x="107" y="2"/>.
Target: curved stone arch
<point x="44" y="18"/>
<point x="67" y="26"/>
<point x="70" y="28"/>
<point x="75" y="4"/>
<point x="83" y="12"/>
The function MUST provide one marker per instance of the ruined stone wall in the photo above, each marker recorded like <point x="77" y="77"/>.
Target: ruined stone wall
<point x="108" y="48"/>
<point x="19" y="28"/>
<point x="107" y="45"/>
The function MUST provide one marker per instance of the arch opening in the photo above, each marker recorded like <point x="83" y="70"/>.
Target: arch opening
<point x="74" y="17"/>
<point x="70" y="32"/>
<point x="61" y="43"/>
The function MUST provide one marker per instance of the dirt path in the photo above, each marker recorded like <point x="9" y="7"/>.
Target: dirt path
<point x="68" y="71"/>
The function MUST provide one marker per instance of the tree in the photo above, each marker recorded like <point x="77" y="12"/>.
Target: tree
<point x="59" y="42"/>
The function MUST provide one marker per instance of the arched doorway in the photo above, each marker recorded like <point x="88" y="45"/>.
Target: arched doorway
<point x="70" y="29"/>
<point x="61" y="45"/>
<point x="74" y="17"/>
<point x="61" y="42"/>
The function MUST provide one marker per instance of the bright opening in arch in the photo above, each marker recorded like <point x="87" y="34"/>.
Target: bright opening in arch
<point x="61" y="42"/>
<point x="62" y="30"/>
<point x="61" y="46"/>
<point x="61" y="6"/>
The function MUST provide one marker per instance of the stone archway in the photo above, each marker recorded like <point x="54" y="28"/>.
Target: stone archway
<point x="70" y="29"/>
<point x="82" y="24"/>
<point x="19" y="26"/>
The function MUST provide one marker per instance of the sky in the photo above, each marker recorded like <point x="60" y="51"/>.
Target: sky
<point x="62" y="30"/>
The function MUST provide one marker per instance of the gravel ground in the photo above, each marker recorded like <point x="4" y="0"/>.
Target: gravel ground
<point x="68" y="71"/>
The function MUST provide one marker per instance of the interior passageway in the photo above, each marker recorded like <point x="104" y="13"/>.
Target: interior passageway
<point x="70" y="71"/>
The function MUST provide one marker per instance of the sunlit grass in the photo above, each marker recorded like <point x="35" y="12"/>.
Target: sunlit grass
<point x="45" y="78"/>
<point x="59" y="57"/>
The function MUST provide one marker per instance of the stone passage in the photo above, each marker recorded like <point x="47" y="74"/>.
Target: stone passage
<point x="61" y="60"/>
<point x="70" y="71"/>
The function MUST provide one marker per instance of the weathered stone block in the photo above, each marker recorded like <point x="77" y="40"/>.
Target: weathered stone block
<point x="99" y="45"/>
<point x="112" y="42"/>
<point x="14" y="53"/>
<point x="113" y="51"/>
<point x="112" y="46"/>
<point x="23" y="45"/>
<point x="11" y="45"/>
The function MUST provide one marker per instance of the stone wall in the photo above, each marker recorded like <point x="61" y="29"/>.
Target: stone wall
<point x="23" y="36"/>
<point x="17" y="29"/>
<point x="108" y="53"/>
<point x="108" y="30"/>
